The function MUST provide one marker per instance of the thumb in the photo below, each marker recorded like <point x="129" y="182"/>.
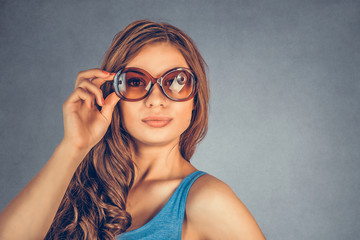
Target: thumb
<point x="110" y="102"/>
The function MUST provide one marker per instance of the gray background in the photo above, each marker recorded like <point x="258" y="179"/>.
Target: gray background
<point x="285" y="93"/>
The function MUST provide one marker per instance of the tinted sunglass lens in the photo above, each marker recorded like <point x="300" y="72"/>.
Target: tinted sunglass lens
<point x="133" y="85"/>
<point x="178" y="84"/>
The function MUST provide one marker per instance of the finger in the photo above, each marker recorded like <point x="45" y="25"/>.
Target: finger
<point x="92" y="89"/>
<point x="83" y="95"/>
<point x="110" y="102"/>
<point x="100" y="81"/>
<point x="90" y="74"/>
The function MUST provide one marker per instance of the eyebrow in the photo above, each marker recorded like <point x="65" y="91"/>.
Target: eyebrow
<point x="159" y="75"/>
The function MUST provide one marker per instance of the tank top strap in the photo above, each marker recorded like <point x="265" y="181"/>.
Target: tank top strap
<point x="167" y="224"/>
<point x="178" y="202"/>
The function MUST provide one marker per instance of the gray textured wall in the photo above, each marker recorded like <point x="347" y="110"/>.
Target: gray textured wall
<point x="285" y="90"/>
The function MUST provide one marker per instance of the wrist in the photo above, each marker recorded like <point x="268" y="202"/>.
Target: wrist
<point x="73" y="154"/>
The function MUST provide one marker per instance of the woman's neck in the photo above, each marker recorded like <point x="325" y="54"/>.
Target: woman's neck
<point x="158" y="162"/>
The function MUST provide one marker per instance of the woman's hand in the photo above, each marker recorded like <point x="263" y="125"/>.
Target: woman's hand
<point x="84" y="124"/>
<point x="30" y="214"/>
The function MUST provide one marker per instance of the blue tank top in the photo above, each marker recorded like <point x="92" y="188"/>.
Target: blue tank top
<point x="167" y="224"/>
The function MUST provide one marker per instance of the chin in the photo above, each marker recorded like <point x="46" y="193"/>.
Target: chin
<point x="156" y="140"/>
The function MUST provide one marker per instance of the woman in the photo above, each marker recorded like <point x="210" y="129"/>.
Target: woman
<point x="122" y="170"/>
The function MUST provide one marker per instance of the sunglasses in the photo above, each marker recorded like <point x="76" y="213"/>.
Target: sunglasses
<point x="134" y="84"/>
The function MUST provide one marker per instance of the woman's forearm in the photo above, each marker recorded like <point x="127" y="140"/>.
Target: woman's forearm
<point x="30" y="214"/>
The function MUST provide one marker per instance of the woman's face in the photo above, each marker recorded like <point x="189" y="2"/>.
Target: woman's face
<point x="156" y="59"/>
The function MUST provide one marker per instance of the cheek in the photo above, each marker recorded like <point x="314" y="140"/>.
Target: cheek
<point x="126" y="116"/>
<point x="186" y="114"/>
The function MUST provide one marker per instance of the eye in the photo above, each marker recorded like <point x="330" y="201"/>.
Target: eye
<point x="135" y="82"/>
<point x="168" y="82"/>
<point x="179" y="79"/>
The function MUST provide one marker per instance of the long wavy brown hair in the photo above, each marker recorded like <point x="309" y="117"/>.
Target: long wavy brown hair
<point x="94" y="205"/>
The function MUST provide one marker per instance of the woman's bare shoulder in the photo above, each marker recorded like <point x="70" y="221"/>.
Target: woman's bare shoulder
<point x="215" y="211"/>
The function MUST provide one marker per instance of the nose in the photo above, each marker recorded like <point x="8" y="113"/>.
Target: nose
<point x="156" y="97"/>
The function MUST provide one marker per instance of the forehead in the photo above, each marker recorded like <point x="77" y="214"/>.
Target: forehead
<point x="158" y="58"/>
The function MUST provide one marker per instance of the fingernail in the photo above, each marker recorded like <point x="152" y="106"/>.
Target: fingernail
<point x="105" y="72"/>
<point x="112" y="73"/>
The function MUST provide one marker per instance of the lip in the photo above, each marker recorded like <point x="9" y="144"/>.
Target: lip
<point x="157" y="121"/>
<point x="156" y="118"/>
